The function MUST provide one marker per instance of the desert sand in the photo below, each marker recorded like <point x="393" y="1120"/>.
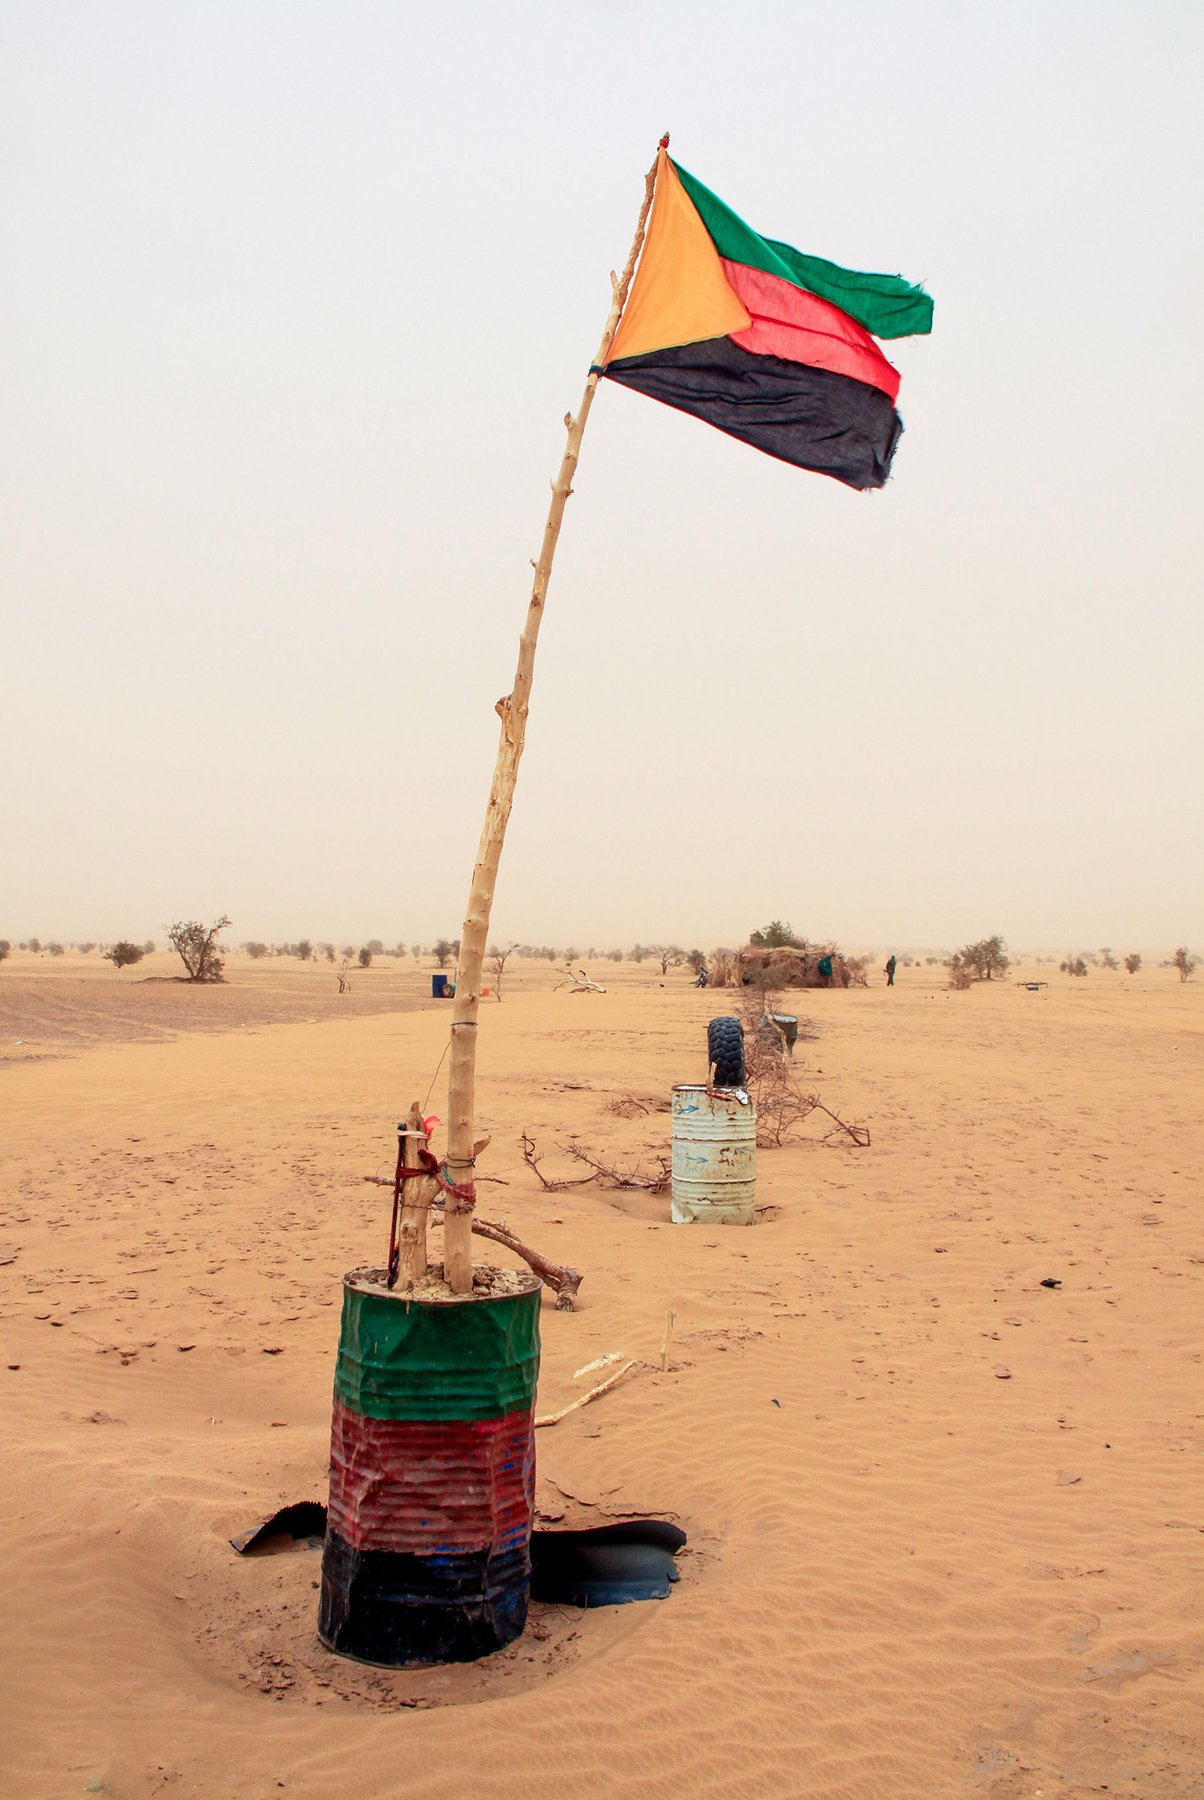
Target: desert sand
<point x="945" y="1524"/>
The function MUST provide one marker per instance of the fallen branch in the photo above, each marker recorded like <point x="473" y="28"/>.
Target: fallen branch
<point x="606" y="1175"/>
<point x="601" y="1174"/>
<point x="603" y="1387"/>
<point x="578" y="982"/>
<point x="554" y="1186"/>
<point x="860" y="1134"/>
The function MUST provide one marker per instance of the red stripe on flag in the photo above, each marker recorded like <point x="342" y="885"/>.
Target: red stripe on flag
<point x="799" y="327"/>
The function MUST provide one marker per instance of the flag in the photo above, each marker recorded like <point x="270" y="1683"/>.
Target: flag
<point x="774" y="347"/>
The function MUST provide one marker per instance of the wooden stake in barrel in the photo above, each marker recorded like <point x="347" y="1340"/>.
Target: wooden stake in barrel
<point x="512" y="710"/>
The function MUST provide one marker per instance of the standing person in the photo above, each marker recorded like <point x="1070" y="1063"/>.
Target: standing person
<point x="891" y="966"/>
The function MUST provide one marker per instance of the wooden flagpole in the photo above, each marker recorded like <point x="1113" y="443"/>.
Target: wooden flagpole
<point x="512" y="710"/>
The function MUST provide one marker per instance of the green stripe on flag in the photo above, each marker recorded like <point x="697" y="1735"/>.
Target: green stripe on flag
<point x="885" y="304"/>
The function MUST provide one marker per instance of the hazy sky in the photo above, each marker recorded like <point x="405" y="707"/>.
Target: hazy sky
<point x="296" y="298"/>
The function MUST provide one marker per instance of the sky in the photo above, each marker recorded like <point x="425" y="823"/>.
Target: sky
<point x="298" y="294"/>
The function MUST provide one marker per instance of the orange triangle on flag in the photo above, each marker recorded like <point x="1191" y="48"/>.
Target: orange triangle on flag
<point x="680" y="294"/>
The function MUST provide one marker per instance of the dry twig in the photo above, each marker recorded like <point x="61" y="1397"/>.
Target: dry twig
<point x="603" y="1387"/>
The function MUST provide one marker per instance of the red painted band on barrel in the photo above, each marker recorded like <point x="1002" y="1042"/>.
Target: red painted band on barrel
<point x="430" y="1486"/>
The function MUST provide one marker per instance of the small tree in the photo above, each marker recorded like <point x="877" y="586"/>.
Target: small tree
<point x="497" y="964"/>
<point x="328" y="952"/>
<point x="669" y="956"/>
<point x="696" y="962"/>
<point x="961" y="973"/>
<point x="5" y="948"/>
<point x="256" y="951"/>
<point x="1106" y="958"/>
<point x="1133" y="963"/>
<point x="148" y="949"/>
<point x="304" y="950"/>
<point x="777" y="935"/>
<point x="1073" y="965"/>
<point x="35" y="944"/>
<point x="1185" y="962"/>
<point x="124" y="955"/>
<point x="637" y="953"/>
<point x="85" y="949"/>
<point x="365" y="957"/>
<point x="197" y="947"/>
<point x="376" y="947"/>
<point x="55" y="949"/>
<point x="441" y="950"/>
<point x="985" y="959"/>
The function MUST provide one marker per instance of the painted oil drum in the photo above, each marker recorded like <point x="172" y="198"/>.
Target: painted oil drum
<point x="714" y="1156"/>
<point x="432" y="1474"/>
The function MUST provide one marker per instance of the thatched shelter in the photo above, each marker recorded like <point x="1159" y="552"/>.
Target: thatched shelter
<point x="797" y="968"/>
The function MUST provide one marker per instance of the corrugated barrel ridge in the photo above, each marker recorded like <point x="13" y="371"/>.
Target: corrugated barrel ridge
<point x="479" y="1360"/>
<point x="429" y="1487"/>
<point x="391" y="1609"/>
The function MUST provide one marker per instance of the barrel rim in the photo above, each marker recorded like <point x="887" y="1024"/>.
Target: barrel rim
<point x="370" y="1280"/>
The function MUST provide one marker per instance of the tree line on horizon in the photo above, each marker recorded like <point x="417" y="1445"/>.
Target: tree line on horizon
<point x="197" y="945"/>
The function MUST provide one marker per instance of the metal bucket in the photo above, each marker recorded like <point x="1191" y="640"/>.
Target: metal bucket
<point x="714" y="1155"/>
<point x="787" y="1025"/>
<point x="432" y="1475"/>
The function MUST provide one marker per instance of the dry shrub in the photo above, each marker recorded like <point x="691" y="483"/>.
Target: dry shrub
<point x="769" y="1073"/>
<point x="721" y="969"/>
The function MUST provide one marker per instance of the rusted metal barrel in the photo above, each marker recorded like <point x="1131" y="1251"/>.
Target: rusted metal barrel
<point x="714" y="1156"/>
<point x="432" y="1473"/>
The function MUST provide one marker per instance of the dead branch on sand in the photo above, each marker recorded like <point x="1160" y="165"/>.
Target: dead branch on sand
<point x="603" y="1387"/>
<point x="605" y="1175"/>
<point x="860" y="1134"/>
<point x="578" y="982"/>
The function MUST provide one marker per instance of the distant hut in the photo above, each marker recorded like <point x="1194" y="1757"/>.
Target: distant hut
<point x="798" y="968"/>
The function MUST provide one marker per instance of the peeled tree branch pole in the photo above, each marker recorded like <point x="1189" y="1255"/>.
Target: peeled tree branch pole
<point x="512" y="710"/>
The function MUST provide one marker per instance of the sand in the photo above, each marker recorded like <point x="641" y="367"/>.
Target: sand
<point x="946" y="1524"/>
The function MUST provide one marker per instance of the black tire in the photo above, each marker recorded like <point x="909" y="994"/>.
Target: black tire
<point x="725" y="1051"/>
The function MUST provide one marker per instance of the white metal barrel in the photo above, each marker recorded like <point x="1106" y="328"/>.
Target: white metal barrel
<point x="714" y="1155"/>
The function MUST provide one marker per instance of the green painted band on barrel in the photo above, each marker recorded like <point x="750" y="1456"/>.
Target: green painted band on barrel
<point x="412" y="1359"/>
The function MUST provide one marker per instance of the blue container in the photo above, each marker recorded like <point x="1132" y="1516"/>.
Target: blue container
<point x="438" y="986"/>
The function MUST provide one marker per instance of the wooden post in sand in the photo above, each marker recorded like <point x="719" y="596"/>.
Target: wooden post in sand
<point x="512" y="710"/>
<point x="417" y="1192"/>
